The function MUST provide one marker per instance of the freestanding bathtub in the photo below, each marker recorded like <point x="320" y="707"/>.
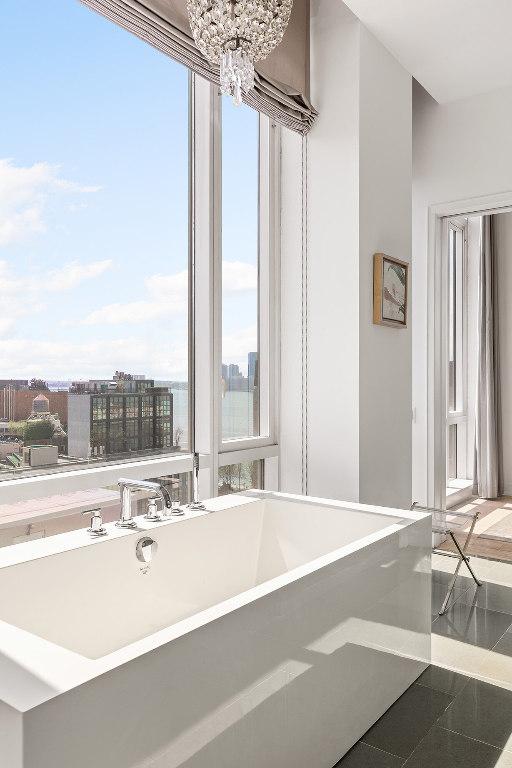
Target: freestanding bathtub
<point x="271" y="631"/>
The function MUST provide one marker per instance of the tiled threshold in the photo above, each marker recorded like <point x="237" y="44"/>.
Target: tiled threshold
<point x="458" y="714"/>
<point x="493" y="531"/>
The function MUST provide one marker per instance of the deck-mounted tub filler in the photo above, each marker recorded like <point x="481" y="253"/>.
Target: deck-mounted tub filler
<point x="271" y="630"/>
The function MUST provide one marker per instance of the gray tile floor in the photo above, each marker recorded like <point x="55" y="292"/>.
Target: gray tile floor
<point x="448" y="720"/>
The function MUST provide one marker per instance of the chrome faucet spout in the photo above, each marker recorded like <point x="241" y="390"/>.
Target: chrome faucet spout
<point x="126" y="486"/>
<point x="166" y="497"/>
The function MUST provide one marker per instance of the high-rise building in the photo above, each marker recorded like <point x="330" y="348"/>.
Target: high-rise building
<point x="252" y="368"/>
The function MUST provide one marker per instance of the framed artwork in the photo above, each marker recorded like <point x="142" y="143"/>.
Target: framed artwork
<point x="390" y="291"/>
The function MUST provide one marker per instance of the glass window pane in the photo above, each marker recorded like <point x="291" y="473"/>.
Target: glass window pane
<point x="240" y="244"/>
<point x="452" y="320"/>
<point x="451" y="452"/>
<point x="26" y="520"/>
<point x="93" y="242"/>
<point x="240" y="477"/>
<point x="460" y="300"/>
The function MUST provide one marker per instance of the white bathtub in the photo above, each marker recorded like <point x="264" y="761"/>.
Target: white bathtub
<point x="271" y="631"/>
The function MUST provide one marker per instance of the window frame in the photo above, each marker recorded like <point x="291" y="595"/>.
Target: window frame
<point x="206" y="301"/>
<point x="205" y="326"/>
<point x="458" y="417"/>
<point x="268" y="284"/>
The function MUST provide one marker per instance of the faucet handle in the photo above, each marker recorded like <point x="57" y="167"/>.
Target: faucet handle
<point x="153" y="514"/>
<point x="97" y="528"/>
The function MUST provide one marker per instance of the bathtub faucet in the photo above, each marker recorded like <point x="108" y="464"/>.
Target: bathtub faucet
<point x="126" y="487"/>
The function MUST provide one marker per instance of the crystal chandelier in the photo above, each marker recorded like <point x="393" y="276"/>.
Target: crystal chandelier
<point x="236" y="34"/>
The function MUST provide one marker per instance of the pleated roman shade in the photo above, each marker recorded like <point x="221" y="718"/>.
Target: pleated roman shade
<point x="282" y="80"/>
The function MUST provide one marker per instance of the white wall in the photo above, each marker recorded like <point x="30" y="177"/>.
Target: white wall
<point x="333" y="255"/>
<point x="291" y="437"/>
<point x="461" y="150"/>
<point x="504" y="259"/>
<point x="358" y="436"/>
<point x="385" y="178"/>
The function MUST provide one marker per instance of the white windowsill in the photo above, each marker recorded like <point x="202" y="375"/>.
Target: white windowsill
<point x="458" y="490"/>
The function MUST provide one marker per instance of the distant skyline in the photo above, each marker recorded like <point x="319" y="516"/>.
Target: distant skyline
<point x="94" y="202"/>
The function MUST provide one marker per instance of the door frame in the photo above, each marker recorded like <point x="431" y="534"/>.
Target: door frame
<point x="437" y="329"/>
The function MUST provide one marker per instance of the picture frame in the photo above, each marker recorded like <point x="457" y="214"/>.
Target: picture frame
<point x="390" y="291"/>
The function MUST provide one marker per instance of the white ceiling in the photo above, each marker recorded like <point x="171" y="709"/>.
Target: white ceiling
<point x="454" y="48"/>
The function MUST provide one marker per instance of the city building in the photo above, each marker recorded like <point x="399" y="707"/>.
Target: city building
<point x="17" y="404"/>
<point x="14" y="383"/>
<point x="42" y="426"/>
<point x="252" y="368"/>
<point x="120" y="382"/>
<point x="108" y="423"/>
<point x="234" y="380"/>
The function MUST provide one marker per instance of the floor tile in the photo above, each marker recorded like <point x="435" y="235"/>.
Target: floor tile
<point x="439" y="593"/>
<point x="444" y="577"/>
<point x="501" y="527"/>
<point x="443" y="567"/>
<point x="407" y="721"/>
<point x="444" y="680"/>
<point x="472" y="625"/>
<point x="494" y="597"/>
<point x="443" y="749"/>
<point x="497" y="573"/>
<point x="459" y="656"/>
<point x="364" y="756"/>
<point x="480" y="547"/>
<point x="482" y="712"/>
<point x="504" y="644"/>
<point x="496" y="667"/>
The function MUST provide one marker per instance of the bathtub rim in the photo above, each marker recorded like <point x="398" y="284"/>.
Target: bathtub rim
<point x="60" y="670"/>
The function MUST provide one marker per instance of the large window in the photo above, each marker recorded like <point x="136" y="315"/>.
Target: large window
<point x="248" y="280"/>
<point x="240" y="258"/>
<point x="94" y="251"/>
<point x="124" y="181"/>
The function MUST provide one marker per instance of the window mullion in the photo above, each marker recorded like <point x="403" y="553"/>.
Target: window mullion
<point x="205" y="127"/>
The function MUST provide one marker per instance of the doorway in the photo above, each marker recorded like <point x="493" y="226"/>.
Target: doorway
<point x="461" y="352"/>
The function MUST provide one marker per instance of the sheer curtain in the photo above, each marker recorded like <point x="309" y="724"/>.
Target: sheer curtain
<point x="488" y="472"/>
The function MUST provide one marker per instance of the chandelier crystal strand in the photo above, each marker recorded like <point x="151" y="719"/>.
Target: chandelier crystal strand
<point x="237" y="33"/>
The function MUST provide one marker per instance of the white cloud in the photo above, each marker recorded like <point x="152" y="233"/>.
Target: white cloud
<point x="72" y="186"/>
<point x="236" y="346"/>
<point x="165" y="295"/>
<point x="98" y="358"/>
<point x="239" y="277"/>
<point x="24" y="195"/>
<point x="71" y="275"/>
<point x="21" y="296"/>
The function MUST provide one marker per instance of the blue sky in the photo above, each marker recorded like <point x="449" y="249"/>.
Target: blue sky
<point x="94" y="201"/>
